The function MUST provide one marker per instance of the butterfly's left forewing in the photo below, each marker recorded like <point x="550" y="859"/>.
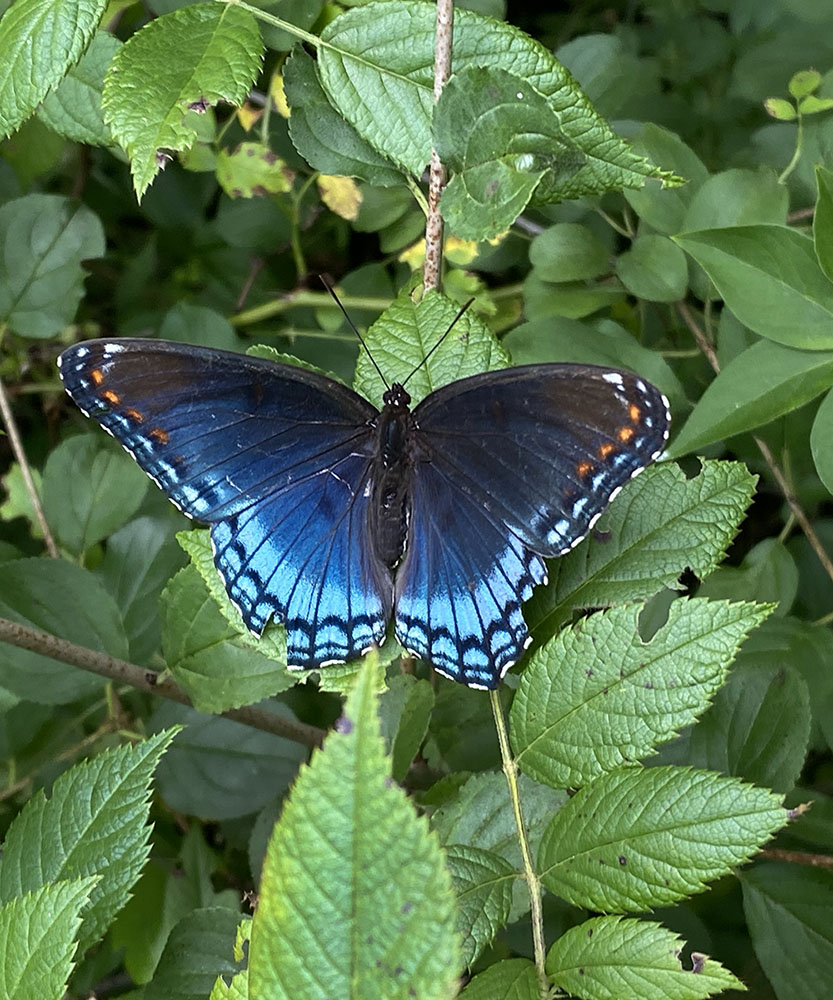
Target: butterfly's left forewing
<point x="275" y="458"/>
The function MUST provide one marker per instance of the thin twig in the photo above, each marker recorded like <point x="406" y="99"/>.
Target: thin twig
<point x="510" y="769"/>
<point x="148" y="681"/>
<point x="702" y="340"/>
<point x="798" y="512"/>
<point x="798" y="857"/>
<point x="437" y="176"/>
<point x="23" y="462"/>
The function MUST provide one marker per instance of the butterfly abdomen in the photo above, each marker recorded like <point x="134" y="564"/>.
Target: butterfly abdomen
<point x="391" y="475"/>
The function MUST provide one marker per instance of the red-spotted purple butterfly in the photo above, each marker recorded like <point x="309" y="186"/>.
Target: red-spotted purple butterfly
<point x="332" y="516"/>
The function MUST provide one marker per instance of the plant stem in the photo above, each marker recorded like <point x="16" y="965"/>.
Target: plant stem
<point x="304" y="297"/>
<point x="146" y="680"/>
<point x="23" y="462"/>
<point x="436" y="173"/>
<point x="510" y="769"/>
<point x="799" y="142"/>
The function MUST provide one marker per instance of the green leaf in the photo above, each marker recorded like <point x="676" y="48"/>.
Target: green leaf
<point x="252" y="170"/>
<point x="218" y="665"/>
<point x="823" y="220"/>
<point x="770" y="279"/>
<point x="322" y="136"/>
<point x="664" y="207"/>
<point x="480" y="815"/>
<point x="484" y="200"/>
<point x="603" y="343"/>
<point x="237" y="989"/>
<point x="804" y="82"/>
<point x="197" y="543"/>
<point x="568" y="252"/>
<point x="511" y="979"/>
<point x="781" y="110"/>
<point x="193" y="324"/>
<point x="502" y="138"/>
<point x="175" y="65"/>
<point x="90" y="489"/>
<point x="40" y="40"/>
<point x="43" y="240"/>
<point x="758" y="728"/>
<point x="483" y="882"/>
<point x="140" y="558"/>
<point x="199" y="949"/>
<point x="791" y="644"/>
<point x="350" y="854"/>
<point x="635" y="839"/>
<point x="66" y="601"/>
<point x="219" y="769"/>
<point x="74" y="109"/>
<point x="757" y="386"/>
<point x="574" y="300"/>
<point x="598" y="695"/>
<point x="38" y="933"/>
<point x="787" y="909"/>
<point x="735" y="198"/>
<point x="18" y="502"/>
<point x="654" y="269"/>
<point x="385" y="89"/>
<point x="821" y="441"/>
<point x="404" y="334"/>
<point x="812" y="105"/>
<point x="660" y="525"/>
<point x="609" y="958"/>
<point x="94" y="823"/>
<point x="768" y="573"/>
<point x="404" y="711"/>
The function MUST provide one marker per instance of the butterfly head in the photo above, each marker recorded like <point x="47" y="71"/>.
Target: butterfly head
<point x="397" y="398"/>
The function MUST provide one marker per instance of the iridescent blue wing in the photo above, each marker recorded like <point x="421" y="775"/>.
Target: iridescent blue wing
<point x="275" y="458"/>
<point x="510" y="466"/>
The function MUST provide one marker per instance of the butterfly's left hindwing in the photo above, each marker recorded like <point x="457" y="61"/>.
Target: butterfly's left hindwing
<point x="275" y="458"/>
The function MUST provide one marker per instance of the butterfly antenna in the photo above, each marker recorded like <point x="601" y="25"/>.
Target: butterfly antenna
<point x="354" y="328"/>
<point x="451" y="326"/>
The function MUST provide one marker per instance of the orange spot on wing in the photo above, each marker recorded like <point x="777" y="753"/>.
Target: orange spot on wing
<point x="159" y="435"/>
<point x="606" y="448"/>
<point x="625" y="434"/>
<point x="134" y="415"/>
<point x="97" y="375"/>
<point x="111" y="397"/>
<point x="635" y="413"/>
<point x="583" y="469"/>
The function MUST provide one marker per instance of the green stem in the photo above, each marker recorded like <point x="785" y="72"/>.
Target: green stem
<point x="799" y="143"/>
<point x="510" y="769"/>
<point x="276" y="22"/>
<point x="297" y="249"/>
<point x="317" y="300"/>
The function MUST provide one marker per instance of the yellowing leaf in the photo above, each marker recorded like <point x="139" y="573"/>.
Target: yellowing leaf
<point x="252" y="170"/>
<point x="278" y="95"/>
<point x="460" y="252"/>
<point x="248" y="116"/>
<point x="341" y="195"/>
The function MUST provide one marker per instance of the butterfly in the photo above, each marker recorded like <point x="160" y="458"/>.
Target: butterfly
<point x="332" y="516"/>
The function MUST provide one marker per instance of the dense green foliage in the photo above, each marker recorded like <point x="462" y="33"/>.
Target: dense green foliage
<point x="656" y="196"/>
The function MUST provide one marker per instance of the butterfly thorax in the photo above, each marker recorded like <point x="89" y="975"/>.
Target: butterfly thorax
<point x="388" y="511"/>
